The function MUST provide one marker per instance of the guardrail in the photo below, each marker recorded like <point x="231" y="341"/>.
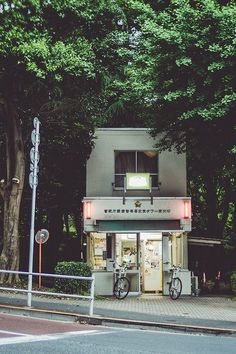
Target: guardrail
<point x="76" y="296"/>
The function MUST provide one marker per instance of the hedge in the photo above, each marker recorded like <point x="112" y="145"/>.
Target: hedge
<point x="72" y="286"/>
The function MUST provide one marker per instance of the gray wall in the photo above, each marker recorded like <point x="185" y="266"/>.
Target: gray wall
<point x="100" y="166"/>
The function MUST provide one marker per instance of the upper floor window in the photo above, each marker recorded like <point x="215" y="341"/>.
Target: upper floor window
<point x="135" y="161"/>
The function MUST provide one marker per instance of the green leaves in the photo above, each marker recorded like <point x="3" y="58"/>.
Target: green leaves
<point x="181" y="54"/>
<point x="44" y="58"/>
<point x="72" y="286"/>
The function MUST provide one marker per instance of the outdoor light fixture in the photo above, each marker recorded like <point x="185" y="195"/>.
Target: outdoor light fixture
<point x="87" y="210"/>
<point x="186" y="209"/>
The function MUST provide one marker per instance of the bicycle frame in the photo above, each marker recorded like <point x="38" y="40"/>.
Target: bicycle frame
<point x="120" y="271"/>
<point x="122" y="284"/>
<point x="175" y="284"/>
<point x="175" y="272"/>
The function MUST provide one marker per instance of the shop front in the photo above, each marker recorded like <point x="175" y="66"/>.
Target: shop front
<point x="147" y="235"/>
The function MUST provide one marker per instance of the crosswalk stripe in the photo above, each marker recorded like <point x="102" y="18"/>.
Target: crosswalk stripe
<point x="27" y="338"/>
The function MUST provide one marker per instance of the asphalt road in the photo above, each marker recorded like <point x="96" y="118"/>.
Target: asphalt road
<point x="27" y="335"/>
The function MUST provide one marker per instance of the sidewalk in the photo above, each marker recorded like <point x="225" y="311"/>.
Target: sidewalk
<point x="218" y="314"/>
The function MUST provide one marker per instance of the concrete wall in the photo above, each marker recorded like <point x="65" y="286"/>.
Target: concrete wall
<point x="101" y="168"/>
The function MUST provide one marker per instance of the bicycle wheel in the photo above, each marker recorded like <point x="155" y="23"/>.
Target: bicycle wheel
<point x="121" y="288"/>
<point x="175" y="288"/>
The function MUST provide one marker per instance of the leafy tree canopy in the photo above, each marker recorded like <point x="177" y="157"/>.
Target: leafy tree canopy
<point x="183" y="65"/>
<point x="54" y="58"/>
<point x="181" y="80"/>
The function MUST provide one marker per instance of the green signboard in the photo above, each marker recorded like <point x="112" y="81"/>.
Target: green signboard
<point x="138" y="181"/>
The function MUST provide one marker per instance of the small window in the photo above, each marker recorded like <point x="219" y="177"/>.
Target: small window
<point x="136" y="161"/>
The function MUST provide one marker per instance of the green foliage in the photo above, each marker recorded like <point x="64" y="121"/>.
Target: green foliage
<point x="72" y="286"/>
<point x="233" y="281"/>
<point x="180" y="80"/>
<point x="188" y="65"/>
<point x="169" y="65"/>
<point x="54" y="59"/>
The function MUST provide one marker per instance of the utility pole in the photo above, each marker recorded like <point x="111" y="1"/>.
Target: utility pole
<point x="33" y="182"/>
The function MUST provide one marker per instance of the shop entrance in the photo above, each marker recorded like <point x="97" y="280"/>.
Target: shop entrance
<point x="151" y="263"/>
<point x="147" y="255"/>
<point x="140" y="252"/>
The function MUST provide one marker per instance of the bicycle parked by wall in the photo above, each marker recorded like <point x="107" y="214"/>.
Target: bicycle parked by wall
<point x="175" y="285"/>
<point x="122" y="284"/>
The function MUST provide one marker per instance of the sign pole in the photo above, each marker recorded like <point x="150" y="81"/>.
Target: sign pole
<point x="40" y="261"/>
<point x="33" y="184"/>
<point x="41" y="237"/>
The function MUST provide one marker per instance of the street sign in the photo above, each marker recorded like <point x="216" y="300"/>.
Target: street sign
<point x="35" y="138"/>
<point x="32" y="168"/>
<point x="34" y="155"/>
<point x="33" y="180"/>
<point x="42" y="236"/>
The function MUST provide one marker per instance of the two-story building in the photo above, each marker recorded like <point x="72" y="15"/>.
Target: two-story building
<point x="136" y="211"/>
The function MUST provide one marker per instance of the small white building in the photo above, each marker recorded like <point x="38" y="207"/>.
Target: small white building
<point x="136" y="211"/>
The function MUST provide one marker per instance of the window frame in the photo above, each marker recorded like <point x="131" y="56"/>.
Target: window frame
<point x="136" y="167"/>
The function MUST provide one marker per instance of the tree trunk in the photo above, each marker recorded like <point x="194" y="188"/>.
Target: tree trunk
<point x="11" y="191"/>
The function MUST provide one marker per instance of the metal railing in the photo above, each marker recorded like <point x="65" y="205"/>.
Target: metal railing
<point x="76" y="296"/>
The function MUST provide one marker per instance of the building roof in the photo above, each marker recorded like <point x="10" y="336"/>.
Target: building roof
<point x="204" y="241"/>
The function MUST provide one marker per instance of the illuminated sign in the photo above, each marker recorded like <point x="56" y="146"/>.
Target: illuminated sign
<point x="137" y="181"/>
<point x="136" y="211"/>
<point x="114" y="208"/>
<point x="108" y="208"/>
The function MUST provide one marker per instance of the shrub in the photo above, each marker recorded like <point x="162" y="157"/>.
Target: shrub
<point x="233" y="281"/>
<point x="72" y="286"/>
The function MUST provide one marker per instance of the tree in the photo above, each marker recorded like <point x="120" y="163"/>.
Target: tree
<point x="181" y="79"/>
<point x="49" y="50"/>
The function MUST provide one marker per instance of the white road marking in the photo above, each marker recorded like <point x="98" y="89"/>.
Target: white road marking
<point x="37" y="338"/>
<point x="14" y="333"/>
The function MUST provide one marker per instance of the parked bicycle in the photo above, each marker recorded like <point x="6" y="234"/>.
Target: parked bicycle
<point x="122" y="284"/>
<point x="175" y="285"/>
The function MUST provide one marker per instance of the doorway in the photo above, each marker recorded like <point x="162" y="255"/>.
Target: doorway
<point x="151" y="263"/>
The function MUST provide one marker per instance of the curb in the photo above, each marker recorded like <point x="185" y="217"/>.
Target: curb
<point x="170" y="326"/>
<point x="110" y="321"/>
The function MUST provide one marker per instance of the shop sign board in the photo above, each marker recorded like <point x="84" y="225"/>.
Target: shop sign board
<point x="138" y="181"/>
<point x="139" y="209"/>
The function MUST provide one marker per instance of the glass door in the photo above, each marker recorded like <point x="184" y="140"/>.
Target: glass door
<point x="151" y="261"/>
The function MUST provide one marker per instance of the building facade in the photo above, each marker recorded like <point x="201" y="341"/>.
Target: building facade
<point x="136" y="211"/>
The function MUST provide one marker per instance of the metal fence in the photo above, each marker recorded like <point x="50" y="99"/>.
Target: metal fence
<point x="76" y="296"/>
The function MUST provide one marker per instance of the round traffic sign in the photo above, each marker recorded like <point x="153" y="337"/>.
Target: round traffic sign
<point x="34" y="155"/>
<point x="42" y="236"/>
<point x="33" y="180"/>
<point x="35" y="137"/>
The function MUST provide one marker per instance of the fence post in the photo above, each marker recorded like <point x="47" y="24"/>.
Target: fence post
<point x="92" y="295"/>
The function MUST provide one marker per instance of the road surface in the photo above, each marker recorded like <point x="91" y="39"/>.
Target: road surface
<point x="30" y="335"/>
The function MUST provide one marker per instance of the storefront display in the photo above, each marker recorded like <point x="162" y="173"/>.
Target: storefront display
<point x="126" y="250"/>
<point x="97" y="250"/>
<point x="144" y="255"/>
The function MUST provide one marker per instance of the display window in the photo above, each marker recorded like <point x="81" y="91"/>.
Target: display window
<point x="97" y="251"/>
<point x="126" y="250"/>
